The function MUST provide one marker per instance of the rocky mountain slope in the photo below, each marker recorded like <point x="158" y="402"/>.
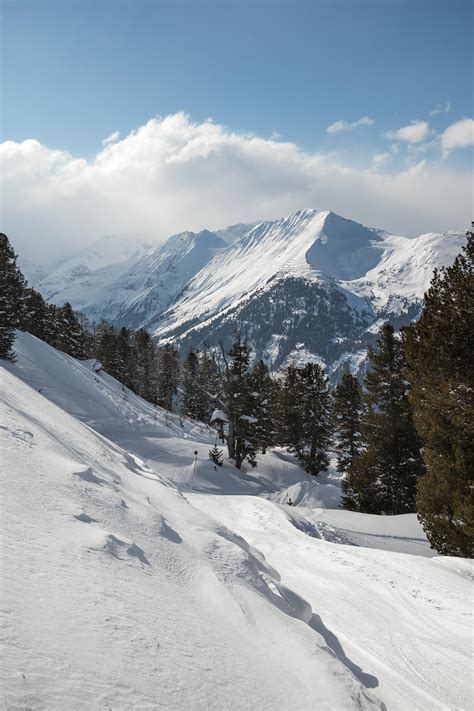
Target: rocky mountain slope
<point x="309" y="285"/>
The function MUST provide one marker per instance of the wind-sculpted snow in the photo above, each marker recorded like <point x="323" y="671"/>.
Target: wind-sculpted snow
<point x="117" y="593"/>
<point x="132" y="579"/>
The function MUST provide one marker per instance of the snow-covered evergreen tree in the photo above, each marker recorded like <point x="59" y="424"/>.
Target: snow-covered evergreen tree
<point x="216" y="456"/>
<point x="34" y="314"/>
<point x="70" y="337"/>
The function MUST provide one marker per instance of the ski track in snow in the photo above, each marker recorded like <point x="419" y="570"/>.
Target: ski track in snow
<point x="129" y="582"/>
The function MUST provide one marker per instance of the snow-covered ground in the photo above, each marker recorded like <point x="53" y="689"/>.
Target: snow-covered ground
<point x="132" y="579"/>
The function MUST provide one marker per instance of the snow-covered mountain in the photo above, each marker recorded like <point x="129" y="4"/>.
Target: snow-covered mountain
<point x="309" y="285"/>
<point x="94" y="268"/>
<point x="132" y="578"/>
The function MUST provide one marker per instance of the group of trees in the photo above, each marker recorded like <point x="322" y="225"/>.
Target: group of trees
<point x="404" y="438"/>
<point x="24" y="308"/>
<point x="379" y="449"/>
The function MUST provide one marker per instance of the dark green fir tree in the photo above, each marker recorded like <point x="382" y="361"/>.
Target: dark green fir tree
<point x="216" y="456"/>
<point x="191" y="396"/>
<point x="439" y="351"/>
<point x="383" y="477"/>
<point x="12" y="288"/>
<point x="240" y="405"/>
<point x="347" y="414"/>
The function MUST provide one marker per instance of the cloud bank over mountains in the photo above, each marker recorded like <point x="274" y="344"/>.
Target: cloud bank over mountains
<point x="173" y="174"/>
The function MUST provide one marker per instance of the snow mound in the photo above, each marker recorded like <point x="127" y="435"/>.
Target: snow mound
<point x="310" y="494"/>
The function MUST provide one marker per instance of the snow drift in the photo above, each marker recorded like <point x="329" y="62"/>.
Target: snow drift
<point x="130" y="581"/>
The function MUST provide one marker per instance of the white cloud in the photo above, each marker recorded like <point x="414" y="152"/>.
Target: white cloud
<point x="458" y="135"/>
<point x="380" y="159"/>
<point x="172" y="174"/>
<point x="341" y="126"/>
<point x="441" y="109"/>
<point x="111" y="139"/>
<point x="416" y="132"/>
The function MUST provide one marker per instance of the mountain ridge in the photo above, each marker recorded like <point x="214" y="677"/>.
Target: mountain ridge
<point x="198" y="287"/>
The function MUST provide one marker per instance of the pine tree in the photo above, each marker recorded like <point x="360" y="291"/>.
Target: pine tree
<point x="216" y="456"/>
<point x="107" y="349"/>
<point x="12" y="288"/>
<point x="383" y="477"/>
<point x="264" y="391"/>
<point x="211" y="387"/>
<point x="439" y="350"/>
<point x="240" y="405"/>
<point x="288" y="413"/>
<point x="191" y="399"/>
<point x="305" y="416"/>
<point x="70" y="337"/>
<point x="141" y="365"/>
<point x="347" y="409"/>
<point x="167" y="376"/>
<point x="34" y="314"/>
<point x="316" y="420"/>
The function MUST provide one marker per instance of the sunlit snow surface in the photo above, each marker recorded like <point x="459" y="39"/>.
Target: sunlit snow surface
<point x="131" y="581"/>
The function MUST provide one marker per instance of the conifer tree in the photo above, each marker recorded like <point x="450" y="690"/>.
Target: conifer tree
<point x="34" y="314"/>
<point x="240" y="405"/>
<point x="107" y="349"/>
<point x="191" y="399"/>
<point x="288" y="413"/>
<point x="216" y="456"/>
<point x="126" y="355"/>
<point x="69" y="336"/>
<point x="305" y="416"/>
<point x="347" y="410"/>
<point x="211" y="387"/>
<point x="316" y="419"/>
<point x="264" y="391"/>
<point x="12" y="288"/>
<point x="167" y="376"/>
<point x="383" y="477"/>
<point x="439" y="350"/>
<point x="141" y="364"/>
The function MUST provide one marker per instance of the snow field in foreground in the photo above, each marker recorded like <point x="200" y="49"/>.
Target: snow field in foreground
<point x="130" y="581"/>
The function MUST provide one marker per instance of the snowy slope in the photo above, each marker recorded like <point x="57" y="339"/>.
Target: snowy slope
<point x="103" y="261"/>
<point x="404" y="271"/>
<point x="134" y="598"/>
<point x="369" y="266"/>
<point x="268" y="249"/>
<point x="151" y="585"/>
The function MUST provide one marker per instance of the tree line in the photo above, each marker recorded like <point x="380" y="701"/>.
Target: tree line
<point x="403" y="439"/>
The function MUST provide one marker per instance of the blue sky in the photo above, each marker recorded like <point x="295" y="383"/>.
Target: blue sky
<point x="76" y="71"/>
<point x="361" y="107"/>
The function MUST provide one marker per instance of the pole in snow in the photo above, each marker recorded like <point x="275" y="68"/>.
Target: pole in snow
<point x="195" y="460"/>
